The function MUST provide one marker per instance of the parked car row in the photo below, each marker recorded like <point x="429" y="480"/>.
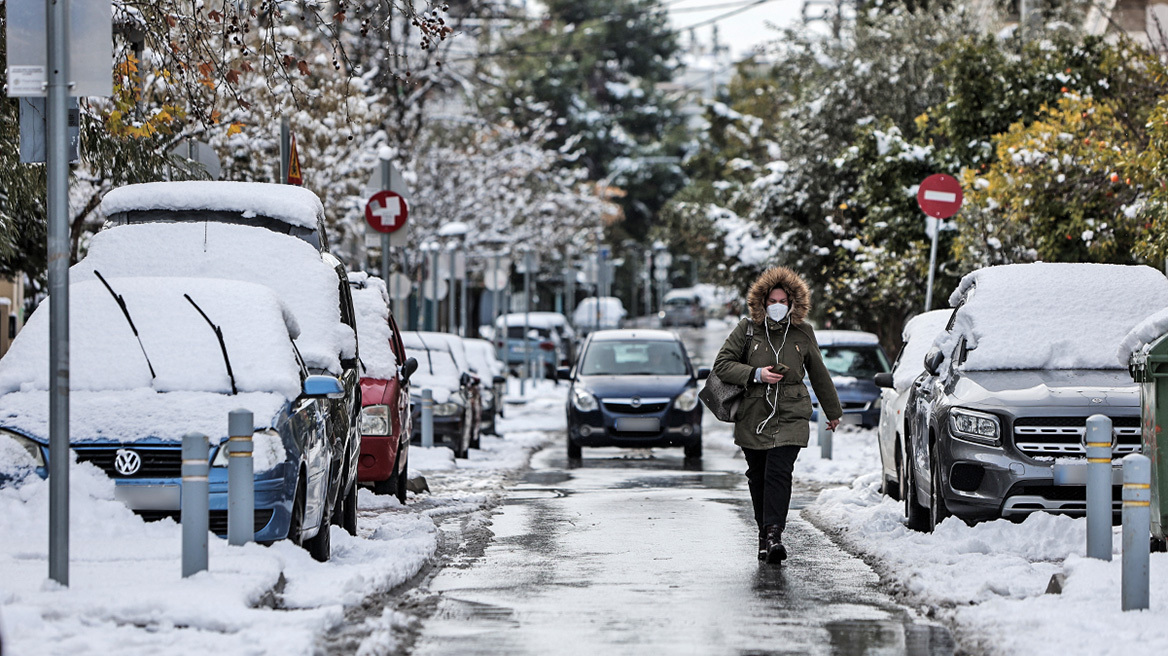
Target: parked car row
<point x="974" y="427"/>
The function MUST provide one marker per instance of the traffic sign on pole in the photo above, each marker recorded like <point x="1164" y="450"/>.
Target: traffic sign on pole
<point x="294" y="175"/>
<point x="940" y="196"/>
<point x="386" y="211"/>
<point x="400" y="285"/>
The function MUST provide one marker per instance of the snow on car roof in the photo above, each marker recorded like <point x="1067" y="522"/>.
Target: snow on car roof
<point x="483" y="357"/>
<point x="634" y="333"/>
<point x="438" y="341"/>
<point x="1142" y="336"/>
<point x="833" y="337"/>
<point x="288" y="203"/>
<point x="374" y="334"/>
<point x="1051" y="315"/>
<point x="182" y="349"/>
<point x="289" y="266"/>
<point x="534" y="319"/>
<point x="919" y="334"/>
<point x="436" y="372"/>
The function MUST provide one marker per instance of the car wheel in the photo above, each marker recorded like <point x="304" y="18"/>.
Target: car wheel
<point x="296" y="523"/>
<point x="937" y="510"/>
<point x="892" y="490"/>
<point x="693" y="451"/>
<point x="575" y="452"/>
<point x="400" y="482"/>
<point x="916" y="516"/>
<point x="320" y="546"/>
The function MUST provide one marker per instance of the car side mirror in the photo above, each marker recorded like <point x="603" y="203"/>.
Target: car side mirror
<point x="323" y="387"/>
<point x="498" y="380"/>
<point x="883" y="380"/>
<point x="703" y="373"/>
<point x="563" y="373"/>
<point x="933" y="360"/>
<point x="409" y="368"/>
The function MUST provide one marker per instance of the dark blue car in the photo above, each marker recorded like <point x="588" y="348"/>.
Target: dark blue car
<point x="853" y="358"/>
<point x="634" y="388"/>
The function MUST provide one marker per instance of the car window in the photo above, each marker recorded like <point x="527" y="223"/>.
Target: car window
<point x="854" y="361"/>
<point x="632" y="358"/>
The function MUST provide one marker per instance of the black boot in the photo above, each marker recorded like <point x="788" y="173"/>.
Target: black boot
<point x="762" y="547"/>
<point x="775" y="551"/>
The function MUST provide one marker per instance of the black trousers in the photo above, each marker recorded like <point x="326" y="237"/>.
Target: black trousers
<point x="768" y="474"/>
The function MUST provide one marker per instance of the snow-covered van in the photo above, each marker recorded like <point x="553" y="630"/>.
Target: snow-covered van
<point x="134" y="396"/>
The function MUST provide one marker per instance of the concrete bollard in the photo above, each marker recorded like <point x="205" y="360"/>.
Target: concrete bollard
<point x="427" y="418"/>
<point x="194" y="503"/>
<point x="1099" y="507"/>
<point x="1137" y="530"/>
<point x="240" y="478"/>
<point x="824" y="436"/>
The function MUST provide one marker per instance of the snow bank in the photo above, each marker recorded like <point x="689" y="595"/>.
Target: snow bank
<point x="288" y="203"/>
<point x="1051" y="316"/>
<point x="919" y="334"/>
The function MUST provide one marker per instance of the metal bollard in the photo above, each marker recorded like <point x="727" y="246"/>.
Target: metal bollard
<point x="824" y="436"/>
<point x="240" y="478"/>
<point x="1099" y="508"/>
<point x="427" y="418"/>
<point x="194" y="504"/>
<point x="1137" y="530"/>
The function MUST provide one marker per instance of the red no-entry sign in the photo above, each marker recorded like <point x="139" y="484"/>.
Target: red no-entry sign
<point x="940" y="196"/>
<point x="386" y="211"/>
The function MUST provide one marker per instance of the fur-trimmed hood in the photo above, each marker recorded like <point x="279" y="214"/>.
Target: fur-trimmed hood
<point x="797" y="291"/>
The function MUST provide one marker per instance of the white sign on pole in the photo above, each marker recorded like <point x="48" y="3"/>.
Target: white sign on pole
<point x="428" y="289"/>
<point x="459" y="264"/>
<point x="444" y="265"/>
<point x="495" y="281"/>
<point x="661" y="275"/>
<point x="91" y="50"/>
<point x="399" y="286"/>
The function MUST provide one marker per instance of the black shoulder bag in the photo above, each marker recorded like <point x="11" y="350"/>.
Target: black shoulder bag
<point x="721" y="397"/>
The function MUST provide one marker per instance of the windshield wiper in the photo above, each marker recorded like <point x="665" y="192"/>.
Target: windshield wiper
<point x="126" y="313"/>
<point x="222" y="345"/>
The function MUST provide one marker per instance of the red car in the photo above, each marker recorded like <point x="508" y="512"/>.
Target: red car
<point x="385" y="390"/>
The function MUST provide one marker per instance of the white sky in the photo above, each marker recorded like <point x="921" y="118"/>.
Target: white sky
<point x="742" y="31"/>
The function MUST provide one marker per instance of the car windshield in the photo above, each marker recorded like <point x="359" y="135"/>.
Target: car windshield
<point x="854" y="361"/>
<point x="516" y="332"/>
<point x="634" y="358"/>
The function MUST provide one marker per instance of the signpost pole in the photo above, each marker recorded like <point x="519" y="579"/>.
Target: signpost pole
<point x="932" y="265"/>
<point x="386" y="184"/>
<point x="462" y="300"/>
<point x="57" y="201"/>
<point x="285" y="152"/>
<point x="495" y="310"/>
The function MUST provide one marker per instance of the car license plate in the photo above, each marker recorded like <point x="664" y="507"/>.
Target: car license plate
<point x="638" y="424"/>
<point x="149" y="497"/>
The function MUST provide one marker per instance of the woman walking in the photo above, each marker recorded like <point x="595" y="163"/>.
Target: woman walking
<point x="769" y="352"/>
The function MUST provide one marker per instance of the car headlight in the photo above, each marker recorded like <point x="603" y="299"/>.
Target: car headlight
<point x="447" y="409"/>
<point x="375" y="420"/>
<point x="583" y="401"/>
<point x="687" y="400"/>
<point x="973" y="426"/>
<point x="34" y="449"/>
<point x="221" y="456"/>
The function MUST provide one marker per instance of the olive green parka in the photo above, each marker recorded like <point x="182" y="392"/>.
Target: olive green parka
<point x="777" y="414"/>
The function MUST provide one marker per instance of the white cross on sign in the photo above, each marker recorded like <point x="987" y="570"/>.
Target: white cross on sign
<point x="386" y="211"/>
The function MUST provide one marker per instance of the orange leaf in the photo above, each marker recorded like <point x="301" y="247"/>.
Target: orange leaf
<point x="303" y="66"/>
<point x="233" y="76"/>
<point x="214" y="116"/>
<point x="205" y="69"/>
<point x="289" y="61"/>
<point x="215" y="16"/>
<point x="170" y="20"/>
<point x="245" y="65"/>
<point x="235" y="128"/>
<point x="339" y="16"/>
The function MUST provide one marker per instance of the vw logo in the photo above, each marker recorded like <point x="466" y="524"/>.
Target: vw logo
<point x="636" y="402"/>
<point x="127" y="462"/>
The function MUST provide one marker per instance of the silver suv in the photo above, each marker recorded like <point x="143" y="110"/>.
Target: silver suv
<point x="1008" y="387"/>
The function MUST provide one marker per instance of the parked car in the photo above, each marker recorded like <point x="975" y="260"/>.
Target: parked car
<point x="634" y="388"/>
<point x="485" y="364"/>
<point x="853" y="358"/>
<point x="313" y="285"/>
<point x="604" y="313"/>
<point x="683" y="307"/>
<point x="542" y="344"/>
<point x="553" y="323"/>
<point x="177" y="357"/>
<point x="385" y="389"/>
<point x="1009" y="385"/>
<point x="286" y="209"/>
<point x="918" y="335"/>
<point x="444" y="369"/>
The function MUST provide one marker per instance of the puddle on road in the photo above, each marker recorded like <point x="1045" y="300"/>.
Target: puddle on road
<point x="865" y="637"/>
<point x="546" y="477"/>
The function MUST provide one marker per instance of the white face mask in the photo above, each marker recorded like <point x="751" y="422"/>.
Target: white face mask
<point x="776" y="311"/>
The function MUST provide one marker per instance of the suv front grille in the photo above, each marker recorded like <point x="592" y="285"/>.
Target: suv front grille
<point x="644" y="406"/>
<point x="1063" y="436"/>
<point x="157" y="462"/>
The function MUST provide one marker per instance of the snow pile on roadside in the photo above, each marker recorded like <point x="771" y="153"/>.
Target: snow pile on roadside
<point x="989" y="579"/>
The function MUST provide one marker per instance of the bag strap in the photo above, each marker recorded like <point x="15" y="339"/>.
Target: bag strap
<point x="749" y="337"/>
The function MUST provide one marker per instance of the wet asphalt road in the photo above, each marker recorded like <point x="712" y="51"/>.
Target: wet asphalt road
<point x="631" y="552"/>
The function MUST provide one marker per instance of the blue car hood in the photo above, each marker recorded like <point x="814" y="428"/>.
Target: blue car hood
<point x="628" y="386"/>
<point x="852" y="390"/>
